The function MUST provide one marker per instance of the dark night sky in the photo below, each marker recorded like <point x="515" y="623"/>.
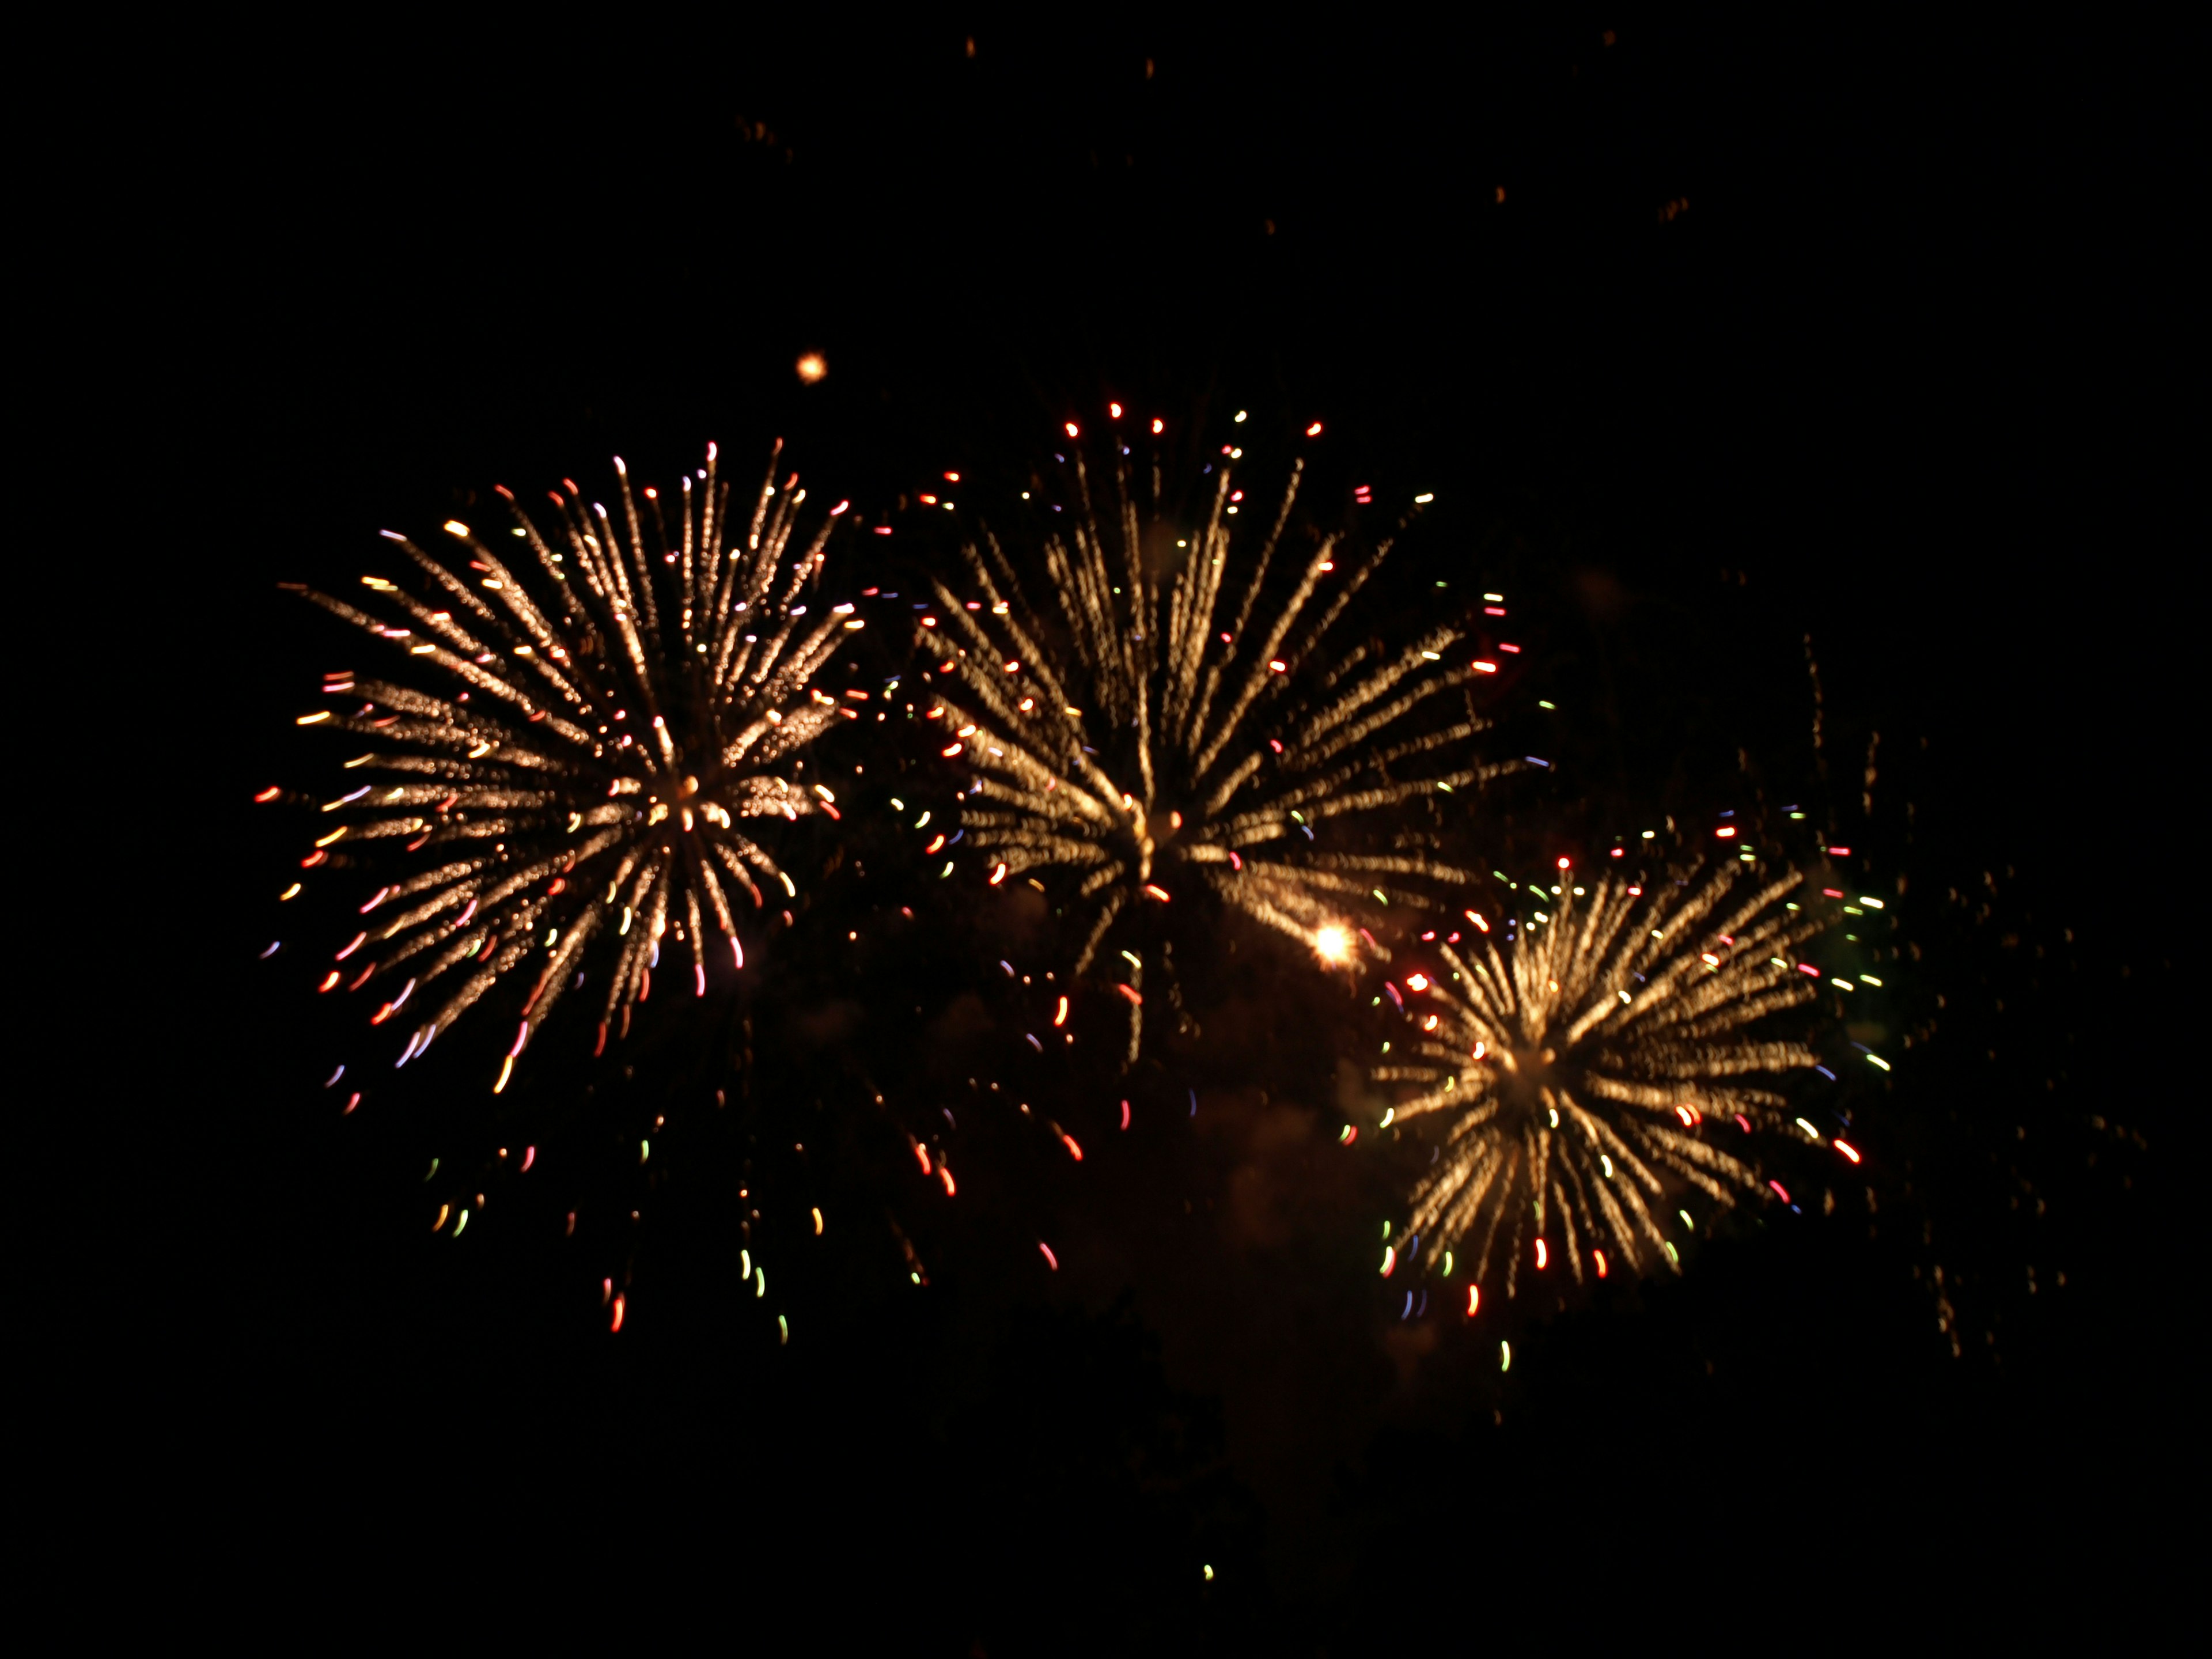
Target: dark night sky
<point x="1902" y="375"/>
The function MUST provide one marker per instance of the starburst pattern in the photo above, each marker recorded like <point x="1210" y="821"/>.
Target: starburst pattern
<point x="617" y="703"/>
<point x="1161" y="724"/>
<point x="1589" y="1069"/>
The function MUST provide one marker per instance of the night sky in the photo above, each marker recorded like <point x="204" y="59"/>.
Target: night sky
<point x="1733" y="358"/>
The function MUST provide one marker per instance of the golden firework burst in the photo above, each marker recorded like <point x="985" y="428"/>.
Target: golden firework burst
<point x="611" y="716"/>
<point x="1588" y="1069"/>
<point x="1155" y="729"/>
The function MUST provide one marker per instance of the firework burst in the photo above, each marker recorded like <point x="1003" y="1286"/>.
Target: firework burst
<point x="616" y="703"/>
<point x="1582" y="1067"/>
<point x="1153" y="730"/>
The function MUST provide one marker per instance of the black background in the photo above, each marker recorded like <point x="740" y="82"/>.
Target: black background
<point x="1901" y="370"/>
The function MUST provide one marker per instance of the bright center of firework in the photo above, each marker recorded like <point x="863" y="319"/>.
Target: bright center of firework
<point x="1333" y="944"/>
<point x="1531" y="1076"/>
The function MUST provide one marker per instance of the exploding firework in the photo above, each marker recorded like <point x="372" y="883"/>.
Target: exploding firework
<point x="1586" y="1068"/>
<point x="617" y="703"/>
<point x="1161" y="725"/>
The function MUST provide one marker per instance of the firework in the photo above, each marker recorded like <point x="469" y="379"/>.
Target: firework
<point x="1160" y="725"/>
<point x="1588" y="1068"/>
<point x="614" y="704"/>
